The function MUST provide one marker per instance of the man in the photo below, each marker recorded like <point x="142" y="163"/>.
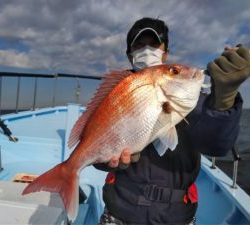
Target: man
<point x="7" y="132"/>
<point x="160" y="190"/>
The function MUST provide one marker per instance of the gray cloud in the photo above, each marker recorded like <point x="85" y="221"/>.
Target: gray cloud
<point x="88" y="37"/>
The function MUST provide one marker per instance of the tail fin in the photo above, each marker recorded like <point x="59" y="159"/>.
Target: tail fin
<point x="63" y="180"/>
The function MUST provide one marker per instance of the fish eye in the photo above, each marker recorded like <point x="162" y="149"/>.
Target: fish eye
<point x="174" y="70"/>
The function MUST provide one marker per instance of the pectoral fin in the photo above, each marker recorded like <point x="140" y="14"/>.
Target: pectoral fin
<point x="167" y="140"/>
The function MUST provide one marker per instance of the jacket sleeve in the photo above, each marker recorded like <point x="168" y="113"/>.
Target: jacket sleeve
<point x="214" y="132"/>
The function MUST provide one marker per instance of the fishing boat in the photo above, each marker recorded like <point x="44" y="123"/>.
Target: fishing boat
<point x="43" y="135"/>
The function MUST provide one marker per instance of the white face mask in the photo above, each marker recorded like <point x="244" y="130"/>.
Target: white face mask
<point x="146" y="56"/>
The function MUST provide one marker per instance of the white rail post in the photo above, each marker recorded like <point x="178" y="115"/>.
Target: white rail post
<point x="77" y="91"/>
<point x="18" y="93"/>
<point x="1" y="168"/>
<point x="54" y="90"/>
<point x="237" y="158"/>
<point x="1" y="95"/>
<point x="35" y="95"/>
<point x="213" y="166"/>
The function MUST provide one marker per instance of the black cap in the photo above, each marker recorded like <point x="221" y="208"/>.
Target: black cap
<point x="158" y="27"/>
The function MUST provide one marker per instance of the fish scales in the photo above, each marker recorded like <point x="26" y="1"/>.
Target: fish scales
<point x="126" y="123"/>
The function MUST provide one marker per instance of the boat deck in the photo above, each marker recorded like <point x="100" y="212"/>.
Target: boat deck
<point x="41" y="145"/>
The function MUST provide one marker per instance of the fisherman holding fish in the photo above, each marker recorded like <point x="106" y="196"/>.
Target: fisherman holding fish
<point x="160" y="189"/>
<point x="153" y="115"/>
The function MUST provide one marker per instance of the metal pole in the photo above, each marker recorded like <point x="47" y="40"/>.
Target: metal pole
<point x="1" y="94"/>
<point x="235" y="173"/>
<point x="1" y="168"/>
<point x="35" y="93"/>
<point x="54" y="91"/>
<point x="236" y="157"/>
<point x="213" y="166"/>
<point x="78" y="90"/>
<point x="18" y="93"/>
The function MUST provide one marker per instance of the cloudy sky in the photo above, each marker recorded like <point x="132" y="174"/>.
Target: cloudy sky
<point x="88" y="37"/>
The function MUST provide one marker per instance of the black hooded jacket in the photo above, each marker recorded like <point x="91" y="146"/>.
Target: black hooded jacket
<point x="151" y="190"/>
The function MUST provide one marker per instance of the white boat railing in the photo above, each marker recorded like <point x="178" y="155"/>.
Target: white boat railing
<point x="236" y="159"/>
<point x="37" y="77"/>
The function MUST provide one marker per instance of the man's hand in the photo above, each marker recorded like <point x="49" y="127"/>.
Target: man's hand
<point x="227" y="73"/>
<point x="124" y="160"/>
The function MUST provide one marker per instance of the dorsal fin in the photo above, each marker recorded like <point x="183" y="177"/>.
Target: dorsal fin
<point x="109" y="82"/>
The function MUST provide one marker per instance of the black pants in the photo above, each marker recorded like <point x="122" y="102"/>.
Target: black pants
<point x="108" y="219"/>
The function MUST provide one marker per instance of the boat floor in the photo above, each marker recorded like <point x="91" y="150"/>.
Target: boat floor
<point x="41" y="146"/>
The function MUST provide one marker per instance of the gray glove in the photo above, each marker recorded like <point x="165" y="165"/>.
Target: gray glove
<point x="134" y="158"/>
<point x="227" y="73"/>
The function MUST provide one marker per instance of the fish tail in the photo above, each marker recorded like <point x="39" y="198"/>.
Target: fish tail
<point x="63" y="180"/>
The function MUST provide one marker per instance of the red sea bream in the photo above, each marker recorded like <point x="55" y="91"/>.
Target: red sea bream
<point x="129" y="110"/>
